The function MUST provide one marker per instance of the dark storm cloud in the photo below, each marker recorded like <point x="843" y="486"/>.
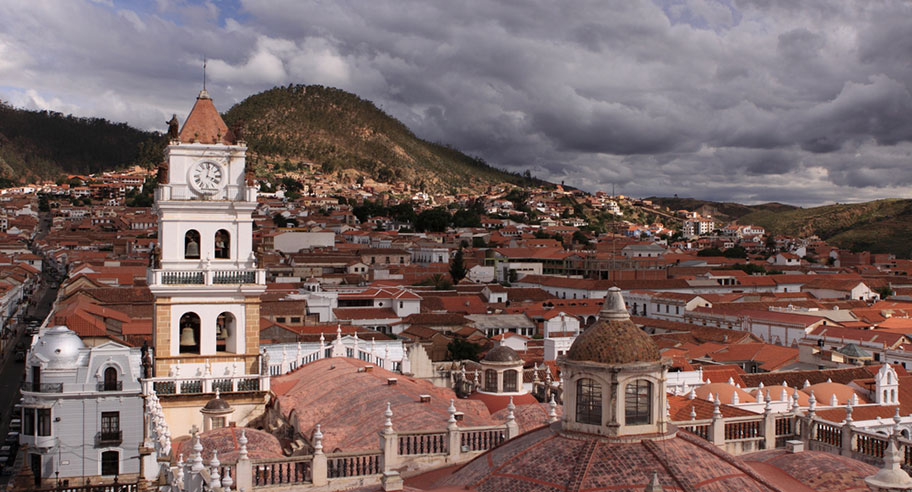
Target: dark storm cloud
<point x="750" y="100"/>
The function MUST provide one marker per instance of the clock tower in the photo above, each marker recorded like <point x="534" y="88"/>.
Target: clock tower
<point x="204" y="277"/>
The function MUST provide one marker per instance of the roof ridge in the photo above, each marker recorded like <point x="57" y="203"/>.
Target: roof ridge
<point x="582" y="466"/>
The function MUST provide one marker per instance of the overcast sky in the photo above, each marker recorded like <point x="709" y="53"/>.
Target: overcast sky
<point x="800" y="101"/>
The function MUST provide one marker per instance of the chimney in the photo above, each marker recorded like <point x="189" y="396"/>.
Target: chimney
<point x="391" y="381"/>
<point x="424" y="398"/>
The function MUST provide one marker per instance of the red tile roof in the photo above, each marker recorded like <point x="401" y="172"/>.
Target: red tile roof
<point x="205" y="125"/>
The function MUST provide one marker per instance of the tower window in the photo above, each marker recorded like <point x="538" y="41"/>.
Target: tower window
<point x="588" y="402"/>
<point x="222" y="244"/>
<point x="638" y="402"/>
<point x="509" y="380"/>
<point x="192" y="245"/>
<point x="189" y="333"/>
<point x="225" y="333"/>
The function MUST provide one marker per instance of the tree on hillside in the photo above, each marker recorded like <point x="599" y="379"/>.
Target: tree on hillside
<point x="432" y="220"/>
<point x="457" y="267"/>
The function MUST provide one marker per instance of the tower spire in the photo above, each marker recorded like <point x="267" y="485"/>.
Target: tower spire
<point x="204" y="94"/>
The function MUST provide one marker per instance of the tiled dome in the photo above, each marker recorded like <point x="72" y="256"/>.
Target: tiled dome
<point x="614" y="339"/>
<point x="502" y="353"/>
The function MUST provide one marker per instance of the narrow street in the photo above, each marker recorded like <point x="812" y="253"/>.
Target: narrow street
<point x="11" y="373"/>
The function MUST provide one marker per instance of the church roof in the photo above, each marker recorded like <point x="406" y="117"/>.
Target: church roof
<point x="502" y="353"/>
<point x="546" y="460"/>
<point x="205" y="125"/>
<point x="614" y="339"/>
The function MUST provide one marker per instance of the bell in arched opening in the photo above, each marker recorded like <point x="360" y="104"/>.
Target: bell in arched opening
<point x="188" y="339"/>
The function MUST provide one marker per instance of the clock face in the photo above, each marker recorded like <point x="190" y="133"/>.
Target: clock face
<point x="207" y="177"/>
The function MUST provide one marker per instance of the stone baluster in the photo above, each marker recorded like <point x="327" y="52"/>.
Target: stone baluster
<point x="389" y="441"/>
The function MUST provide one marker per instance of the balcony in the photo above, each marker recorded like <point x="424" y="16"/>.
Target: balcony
<point x="183" y="192"/>
<point x="115" y="386"/>
<point x="109" y="438"/>
<point x="207" y="277"/>
<point x="42" y="387"/>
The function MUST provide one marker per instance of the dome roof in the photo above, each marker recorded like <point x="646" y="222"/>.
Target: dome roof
<point x="614" y="339"/>
<point x="823" y="393"/>
<point x="217" y="404"/>
<point x="60" y="346"/>
<point x="725" y="392"/>
<point x="502" y="353"/>
<point x="547" y="460"/>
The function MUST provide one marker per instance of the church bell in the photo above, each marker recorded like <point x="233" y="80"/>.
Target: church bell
<point x="188" y="339"/>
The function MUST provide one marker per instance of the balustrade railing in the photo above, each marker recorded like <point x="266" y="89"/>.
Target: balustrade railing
<point x="423" y="443"/>
<point x="699" y="429"/>
<point x="289" y="471"/>
<point x="42" y="387"/>
<point x="353" y="465"/>
<point x="187" y="277"/>
<point x="748" y="429"/>
<point x="221" y="277"/>
<point x="197" y="385"/>
<point x="829" y="434"/>
<point x="870" y="445"/>
<point x="480" y="440"/>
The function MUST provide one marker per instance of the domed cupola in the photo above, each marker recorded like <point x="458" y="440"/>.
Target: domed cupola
<point x="58" y="348"/>
<point x="614" y="377"/>
<point x="501" y="371"/>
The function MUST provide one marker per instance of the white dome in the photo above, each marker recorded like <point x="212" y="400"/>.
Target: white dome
<point x="59" y="346"/>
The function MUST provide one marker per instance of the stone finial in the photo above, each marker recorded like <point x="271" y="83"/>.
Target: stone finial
<point x="897" y="420"/>
<point x="534" y="372"/>
<point x="388" y="422"/>
<point x="552" y="412"/>
<point x="760" y="386"/>
<point x="654" y="485"/>
<point x="242" y="442"/>
<point x="891" y="476"/>
<point x="848" y="410"/>
<point x="214" y="464"/>
<point x="197" y="457"/>
<point x="322" y="339"/>
<point x="784" y="395"/>
<point x="833" y="401"/>
<point x="731" y="381"/>
<point x="806" y="383"/>
<point x="451" y="422"/>
<point x="338" y="332"/>
<point x="768" y="407"/>
<point x="735" y="398"/>
<point x="717" y="412"/>
<point x="614" y="307"/>
<point x="692" y="395"/>
<point x="829" y="380"/>
<point x="693" y="413"/>
<point x="854" y="399"/>
<point x="318" y="440"/>
<point x="812" y="403"/>
<point x="510" y="408"/>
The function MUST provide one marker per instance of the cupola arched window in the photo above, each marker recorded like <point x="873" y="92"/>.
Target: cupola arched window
<point x="110" y="379"/>
<point x="189" y="333"/>
<point x="490" y="381"/>
<point x="509" y="380"/>
<point x="192" y="245"/>
<point x="588" y="402"/>
<point x="638" y="402"/>
<point x="222" y="244"/>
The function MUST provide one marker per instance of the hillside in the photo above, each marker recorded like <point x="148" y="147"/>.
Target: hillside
<point x="337" y="130"/>
<point x="44" y="145"/>
<point x="724" y="212"/>
<point x="881" y="226"/>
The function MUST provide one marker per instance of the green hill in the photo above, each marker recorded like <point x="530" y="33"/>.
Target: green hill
<point x="725" y="212"/>
<point x="338" y="130"/>
<point x="46" y="144"/>
<point x="881" y="226"/>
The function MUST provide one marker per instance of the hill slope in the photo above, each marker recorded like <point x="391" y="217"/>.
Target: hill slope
<point x="338" y="130"/>
<point x="881" y="226"/>
<point x="44" y="144"/>
<point x="723" y="211"/>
